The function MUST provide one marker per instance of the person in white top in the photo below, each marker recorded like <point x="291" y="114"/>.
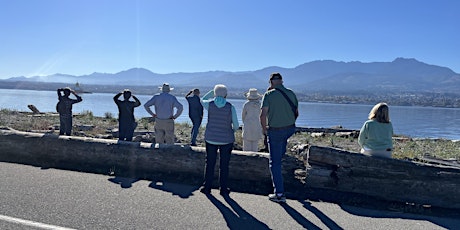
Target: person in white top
<point x="252" y="129"/>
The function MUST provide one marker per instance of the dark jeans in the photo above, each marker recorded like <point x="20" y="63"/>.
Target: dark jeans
<point x="126" y="129"/>
<point x="277" y="141"/>
<point x="211" y="157"/>
<point x="195" y="129"/>
<point x="65" y="126"/>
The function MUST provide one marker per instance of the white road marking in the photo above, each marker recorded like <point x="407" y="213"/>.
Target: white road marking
<point x="32" y="223"/>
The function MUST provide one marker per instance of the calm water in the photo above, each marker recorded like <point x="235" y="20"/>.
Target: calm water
<point x="411" y="121"/>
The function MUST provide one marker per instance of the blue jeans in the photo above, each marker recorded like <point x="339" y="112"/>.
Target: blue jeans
<point x="195" y="129"/>
<point x="211" y="157"/>
<point x="277" y="142"/>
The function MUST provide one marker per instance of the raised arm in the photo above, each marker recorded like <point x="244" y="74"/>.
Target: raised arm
<point x="115" y="98"/>
<point x="188" y="94"/>
<point x="79" y="99"/>
<point x="137" y="102"/>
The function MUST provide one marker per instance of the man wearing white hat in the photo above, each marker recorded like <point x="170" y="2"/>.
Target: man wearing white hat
<point x="252" y="130"/>
<point x="164" y="115"/>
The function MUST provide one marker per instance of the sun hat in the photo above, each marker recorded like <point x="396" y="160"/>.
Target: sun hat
<point x="220" y="90"/>
<point x="252" y="94"/>
<point x="165" y="87"/>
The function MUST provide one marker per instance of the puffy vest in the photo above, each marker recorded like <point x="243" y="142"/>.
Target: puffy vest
<point x="219" y="127"/>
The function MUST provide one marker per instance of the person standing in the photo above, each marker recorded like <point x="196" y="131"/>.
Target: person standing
<point x="126" y="121"/>
<point x="279" y="108"/>
<point x="375" y="136"/>
<point x="164" y="115"/>
<point x="64" y="108"/>
<point x="195" y="113"/>
<point x="219" y="135"/>
<point x="252" y="130"/>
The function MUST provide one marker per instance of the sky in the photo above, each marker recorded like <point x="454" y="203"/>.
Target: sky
<point x="108" y="36"/>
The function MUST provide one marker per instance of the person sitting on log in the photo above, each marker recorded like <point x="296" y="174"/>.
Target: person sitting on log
<point x="375" y="137"/>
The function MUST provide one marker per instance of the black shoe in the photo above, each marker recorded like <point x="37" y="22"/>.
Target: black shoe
<point x="193" y="145"/>
<point x="205" y="190"/>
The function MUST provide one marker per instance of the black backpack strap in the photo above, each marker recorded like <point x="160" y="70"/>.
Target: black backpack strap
<point x="293" y="107"/>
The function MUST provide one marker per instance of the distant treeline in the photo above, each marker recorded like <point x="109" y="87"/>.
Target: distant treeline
<point x="434" y="99"/>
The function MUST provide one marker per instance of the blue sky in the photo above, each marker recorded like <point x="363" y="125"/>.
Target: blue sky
<point x="85" y="36"/>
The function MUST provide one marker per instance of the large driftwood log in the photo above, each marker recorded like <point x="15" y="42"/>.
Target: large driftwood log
<point x="249" y="171"/>
<point x="389" y="179"/>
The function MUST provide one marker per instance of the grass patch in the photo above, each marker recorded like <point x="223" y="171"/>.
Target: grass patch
<point x="405" y="148"/>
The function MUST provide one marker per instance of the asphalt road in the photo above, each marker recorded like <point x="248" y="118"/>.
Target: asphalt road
<point x="36" y="198"/>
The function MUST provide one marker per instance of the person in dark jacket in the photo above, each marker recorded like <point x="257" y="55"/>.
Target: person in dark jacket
<point x="64" y="108"/>
<point x="195" y="112"/>
<point x="126" y="120"/>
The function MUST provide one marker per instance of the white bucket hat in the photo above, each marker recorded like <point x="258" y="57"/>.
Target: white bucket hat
<point x="165" y="88"/>
<point x="252" y="94"/>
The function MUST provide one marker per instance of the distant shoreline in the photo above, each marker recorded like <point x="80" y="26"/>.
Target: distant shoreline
<point x="423" y="99"/>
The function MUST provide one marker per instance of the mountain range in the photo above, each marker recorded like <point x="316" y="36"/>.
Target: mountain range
<point x="402" y="74"/>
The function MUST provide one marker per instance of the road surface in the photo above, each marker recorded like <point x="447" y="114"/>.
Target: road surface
<point x="37" y="198"/>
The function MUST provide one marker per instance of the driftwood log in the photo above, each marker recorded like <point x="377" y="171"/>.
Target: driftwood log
<point x="389" y="179"/>
<point x="249" y="171"/>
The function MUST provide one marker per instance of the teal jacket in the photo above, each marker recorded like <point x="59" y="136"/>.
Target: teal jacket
<point x="376" y="136"/>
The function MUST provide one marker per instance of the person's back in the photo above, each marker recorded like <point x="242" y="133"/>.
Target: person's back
<point x="219" y="127"/>
<point x="280" y="114"/>
<point x="195" y="113"/>
<point x="375" y="136"/>
<point x="126" y="120"/>
<point x="280" y="111"/>
<point x="219" y="136"/>
<point x="378" y="135"/>
<point x="67" y="105"/>
<point x="64" y="108"/>
<point x="126" y="110"/>
<point x="164" y="104"/>
<point x="252" y="130"/>
<point x="195" y="108"/>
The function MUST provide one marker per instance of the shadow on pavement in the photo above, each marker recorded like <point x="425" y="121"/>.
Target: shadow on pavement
<point x="323" y="217"/>
<point x="299" y="217"/>
<point x="449" y="220"/>
<point x="235" y="216"/>
<point x="181" y="190"/>
<point x="124" y="182"/>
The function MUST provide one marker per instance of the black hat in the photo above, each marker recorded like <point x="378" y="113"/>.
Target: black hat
<point x="275" y="76"/>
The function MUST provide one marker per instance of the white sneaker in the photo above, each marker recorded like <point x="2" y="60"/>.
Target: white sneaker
<point x="277" y="199"/>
